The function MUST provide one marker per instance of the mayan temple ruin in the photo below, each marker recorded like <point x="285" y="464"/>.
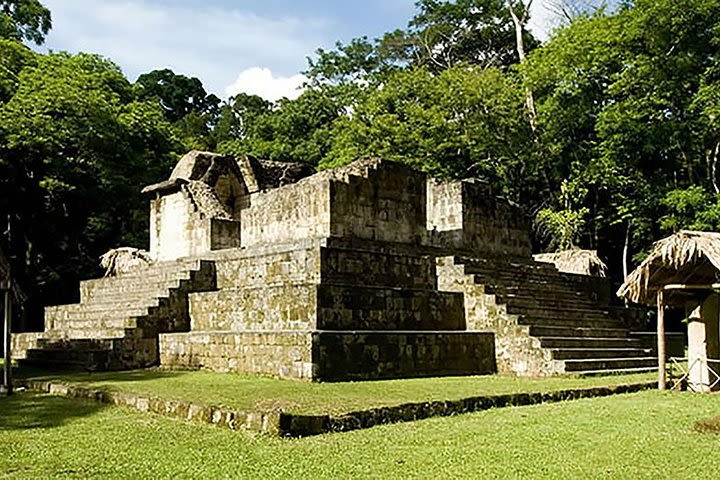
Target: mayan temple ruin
<point x="367" y="271"/>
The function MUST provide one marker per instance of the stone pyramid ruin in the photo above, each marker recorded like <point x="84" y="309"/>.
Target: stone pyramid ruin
<point x="368" y="271"/>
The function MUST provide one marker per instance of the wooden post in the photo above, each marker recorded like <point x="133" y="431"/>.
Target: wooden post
<point x="661" y="340"/>
<point x="7" y="366"/>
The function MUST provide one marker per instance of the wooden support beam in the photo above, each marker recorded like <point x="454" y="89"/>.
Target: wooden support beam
<point x="7" y="366"/>
<point x="686" y="286"/>
<point x="661" y="340"/>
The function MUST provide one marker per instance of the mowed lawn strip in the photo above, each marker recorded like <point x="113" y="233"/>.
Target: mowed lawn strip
<point x="643" y="435"/>
<point x="251" y="393"/>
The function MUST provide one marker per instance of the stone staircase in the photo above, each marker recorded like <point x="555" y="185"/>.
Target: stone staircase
<point x="547" y="321"/>
<point x="117" y="322"/>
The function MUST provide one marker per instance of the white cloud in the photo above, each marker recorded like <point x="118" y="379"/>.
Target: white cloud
<point x="261" y="81"/>
<point x="542" y="20"/>
<point x="199" y="40"/>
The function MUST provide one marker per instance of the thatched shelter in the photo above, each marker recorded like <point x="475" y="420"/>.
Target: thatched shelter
<point x="683" y="270"/>
<point x="576" y="260"/>
<point x="124" y="260"/>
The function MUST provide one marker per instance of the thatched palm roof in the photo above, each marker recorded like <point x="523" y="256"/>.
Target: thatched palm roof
<point x="686" y="257"/>
<point x="576" y="260"/>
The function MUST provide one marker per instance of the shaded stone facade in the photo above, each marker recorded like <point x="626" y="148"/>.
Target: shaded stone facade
<point x="367" y="271"/>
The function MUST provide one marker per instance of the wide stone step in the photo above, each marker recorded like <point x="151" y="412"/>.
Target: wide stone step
<point x="590" y="342"/>
<point x="94" y="324"/>
<point x="598" y="353"/>
<point x="586" y="365"/>
<point x="65" y="355"/>
<point x="573" y="332"/>
<point x="675" y="342"/>
<point x="48" y="343"/>
<point x="615" y="371"/>
<point x="526" y="301"/>
<point x="99" y="312"/>
<point x="140" y="297"/>
<point x="538" y="288"/>
<point x="157" y="270"/>
<point x="132" y="299"/>
<point x="528" y="272"/>
<point x="102" y="304"/>
<point x="538" y="282"/>
<point x="514" y="264"/>
<point x="87" y="333"/>
<point x="555" y="312"/>
<point x="151" y="277"/>
<point x="543" y="294"/>
<point x="142" y="289"/>
<point x="571" y="322"/>
<point x="89" y="363"/>
<point x="152" y="273"/>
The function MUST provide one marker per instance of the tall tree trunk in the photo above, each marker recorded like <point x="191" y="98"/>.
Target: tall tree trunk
<point x="519" y="23"/>
<point x="626" y="251"/>
<point x="711" y="157"/>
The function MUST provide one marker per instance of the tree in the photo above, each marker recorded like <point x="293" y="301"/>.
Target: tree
<point x="520" y="14"/>
<point x="462" y="122"/>
<point x="178" y="95"/>
<point x="445" y="33"/>
<point x="568" y="10"/>
<point x="238" y="116"/>
<point x="625" y="107"/>
<point x="192" y="111"/>
<point x="76" y="148"/>
<point x="562" y="228"/>
<point x="357" y="62"/>
<point x="293" y="131"/>
<point x="692" y="208"/>
<point x="14" y="56"/>
<point x="24" y="20"/>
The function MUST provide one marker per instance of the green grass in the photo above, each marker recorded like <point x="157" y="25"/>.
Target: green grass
<point x="257" y="393"/>
<point x="644" y="435"/>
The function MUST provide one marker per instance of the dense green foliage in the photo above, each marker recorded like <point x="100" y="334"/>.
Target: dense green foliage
<point x="645" y="435"/>
<point x="626" y="110"/>
<point x="295" y="131"/>
<point x="628" y="114"/>
<point x="461" y="122"/>
<point x="76" y="146"/>
<point x="185" y="103"/>
<point x="24" y="20"/>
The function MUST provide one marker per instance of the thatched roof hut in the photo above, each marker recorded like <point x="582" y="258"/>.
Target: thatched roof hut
<point x="585" y="262"/>
<point x="124" y="260"/>
<point x="686" y="258"/>
<point x="682" y="270"/>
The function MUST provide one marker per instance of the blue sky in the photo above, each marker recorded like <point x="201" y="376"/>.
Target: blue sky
<point x="256" y="46"/>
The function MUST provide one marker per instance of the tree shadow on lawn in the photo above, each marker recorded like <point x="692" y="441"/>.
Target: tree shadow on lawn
<point x="26" y="411"/>
<point x="130" y="376"/>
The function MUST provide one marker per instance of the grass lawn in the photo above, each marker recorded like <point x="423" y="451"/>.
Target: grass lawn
<point x="643" y="435"/>
<point x="257" y="393"/>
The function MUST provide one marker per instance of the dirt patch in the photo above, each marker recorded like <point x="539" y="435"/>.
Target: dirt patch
<point x="709" y="426"/>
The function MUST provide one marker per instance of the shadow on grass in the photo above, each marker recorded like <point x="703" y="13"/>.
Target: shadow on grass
<point x="130" y="376"/>
<point x="26" y="411"/>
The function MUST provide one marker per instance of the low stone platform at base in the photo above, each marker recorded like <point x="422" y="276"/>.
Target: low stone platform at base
<point x="278" y="422"/>
<point x="374" y="355"/>
<point x="333" y="355"/>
